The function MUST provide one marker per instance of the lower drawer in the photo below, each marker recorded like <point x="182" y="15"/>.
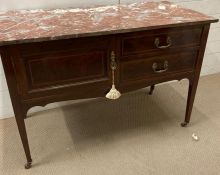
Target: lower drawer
<point x="143" y="68"/>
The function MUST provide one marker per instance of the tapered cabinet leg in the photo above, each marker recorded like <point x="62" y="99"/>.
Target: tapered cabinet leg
<point x="23" y="134"/>
<point x="8" y="54"/>
<point x="190" y="100"/>
<point x="151" y="89"/>
<point x="194" y="81"/>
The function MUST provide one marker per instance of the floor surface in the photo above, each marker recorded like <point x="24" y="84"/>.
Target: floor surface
<point x="135" y="135"/>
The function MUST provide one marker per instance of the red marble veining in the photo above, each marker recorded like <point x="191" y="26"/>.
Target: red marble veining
<point x="42" y="25"/>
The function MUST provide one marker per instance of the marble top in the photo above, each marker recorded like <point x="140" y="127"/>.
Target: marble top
<point x="43" y="25"/>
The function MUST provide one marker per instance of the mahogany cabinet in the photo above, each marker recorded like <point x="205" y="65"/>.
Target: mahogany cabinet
<point x="41" y="70"/>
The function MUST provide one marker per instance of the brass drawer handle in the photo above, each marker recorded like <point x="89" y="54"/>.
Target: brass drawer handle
<point x="160" y="70"/>
<point x="157" y="43"/>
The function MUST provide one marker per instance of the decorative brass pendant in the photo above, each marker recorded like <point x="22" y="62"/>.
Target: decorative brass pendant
<point x="113" y="94"/>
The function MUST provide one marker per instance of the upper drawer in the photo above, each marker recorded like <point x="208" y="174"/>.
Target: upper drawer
<point x="158" y="40"/>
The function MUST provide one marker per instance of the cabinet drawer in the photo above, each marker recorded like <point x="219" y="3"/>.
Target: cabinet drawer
<point x="157" y="66"/>
<point x="159" y="40"/>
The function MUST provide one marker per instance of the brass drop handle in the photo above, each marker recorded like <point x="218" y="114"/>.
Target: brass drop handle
<point x="160" y="70"/>
<point x="157" y="43"/>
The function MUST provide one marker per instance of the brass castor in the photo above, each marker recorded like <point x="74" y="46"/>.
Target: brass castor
<point x="184" y="124"/>
<point x="28" y="165"/>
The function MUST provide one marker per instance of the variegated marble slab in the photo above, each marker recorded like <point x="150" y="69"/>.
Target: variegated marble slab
<point x="42" y="25"/>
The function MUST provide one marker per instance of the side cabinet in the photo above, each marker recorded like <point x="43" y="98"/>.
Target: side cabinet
<point x="52" y="71"/>
<point x="62" y="70"/>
